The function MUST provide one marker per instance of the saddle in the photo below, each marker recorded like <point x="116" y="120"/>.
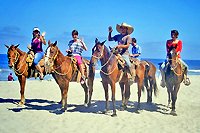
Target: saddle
<point x="32" y="71"/>
<point x="122" y="63"/>
<point x="30" y="58"/>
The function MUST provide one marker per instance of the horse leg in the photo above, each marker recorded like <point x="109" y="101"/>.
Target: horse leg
<point x="127" y="93"/>
<point x="169" y="90"/>
<point x="121" y="84"/>
<point x="64" y="89"/>
<point x="86" y="94"/>
<point x="105" y="86"/>
<point x="150" y="90"/>
<point x="169" y="98"/>
<point x="90" y="86"/>
<point x="22" y="81"/>
<point x="174" y="98"/>
<point x="113" y="99"/>
<point x="140" y="88"/>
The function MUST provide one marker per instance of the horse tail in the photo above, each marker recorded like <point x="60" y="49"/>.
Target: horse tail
<point x="147" y="68"/>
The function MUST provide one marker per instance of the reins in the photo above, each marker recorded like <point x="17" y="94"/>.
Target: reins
<point x="173" y="68"/>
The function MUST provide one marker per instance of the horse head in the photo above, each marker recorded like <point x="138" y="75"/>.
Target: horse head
<point x="50" y="55"/>
<point x="97" y="51"/>
<point x="173" y="56"/>
<point x="12" y="55"/>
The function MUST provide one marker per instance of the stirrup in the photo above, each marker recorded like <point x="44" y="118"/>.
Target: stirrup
<point x="187" y="82"/>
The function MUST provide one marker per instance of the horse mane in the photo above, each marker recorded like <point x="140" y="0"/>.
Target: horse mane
<point x="20" y="51"/>
<point x="107" y="51"/>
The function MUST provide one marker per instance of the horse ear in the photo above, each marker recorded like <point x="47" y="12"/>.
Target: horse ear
<point x="17" y="45"/>
<point x="7" y="46"/>
<point x="103" y="42"/>
<point x="49" y="42"/>
<point x="55" y="43"/>
<point x="96" y="40"/>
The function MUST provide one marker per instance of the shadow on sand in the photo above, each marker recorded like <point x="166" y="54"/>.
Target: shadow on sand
<point x="97" y="106"/>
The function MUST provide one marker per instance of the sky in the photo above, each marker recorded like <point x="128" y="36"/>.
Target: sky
<point x="152" y="21"/>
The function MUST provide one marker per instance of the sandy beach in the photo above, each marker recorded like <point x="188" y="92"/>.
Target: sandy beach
<point x="41" y="113"/>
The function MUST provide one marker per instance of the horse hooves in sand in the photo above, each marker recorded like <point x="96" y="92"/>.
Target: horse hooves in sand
<point x="173" y="113"/>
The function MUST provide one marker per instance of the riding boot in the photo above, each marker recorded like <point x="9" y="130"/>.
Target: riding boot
<point x="38" y="67"/>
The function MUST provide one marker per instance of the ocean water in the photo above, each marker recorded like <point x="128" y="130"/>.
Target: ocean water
<point x="194" y="67"/>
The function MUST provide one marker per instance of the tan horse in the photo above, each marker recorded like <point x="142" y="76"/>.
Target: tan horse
<point x="17" y="61"/>
<point x="63" y="70"/>
<point x="111" y="74"/>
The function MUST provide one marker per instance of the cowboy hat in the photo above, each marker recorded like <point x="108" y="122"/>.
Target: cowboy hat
<point x="129" y="27"/>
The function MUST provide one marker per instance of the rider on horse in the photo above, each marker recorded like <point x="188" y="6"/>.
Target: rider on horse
<point x="174" y="42"/>
<point x="124" y="41"/>
<point x="36" y="46"/>
<point x="76" y="46"/>
<point x="136" y="49"/>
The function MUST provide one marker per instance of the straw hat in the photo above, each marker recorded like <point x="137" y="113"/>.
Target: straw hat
<point x="129" y="27"/>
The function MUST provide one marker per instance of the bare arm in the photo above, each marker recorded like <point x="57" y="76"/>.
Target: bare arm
<point x="42" y="38"/>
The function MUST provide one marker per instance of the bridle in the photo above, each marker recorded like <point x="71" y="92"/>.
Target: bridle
<point x="52" y="64"/>
<point x="16" y="58"/>
<point x="173" y="67"/>
<point x="99" y="57"/>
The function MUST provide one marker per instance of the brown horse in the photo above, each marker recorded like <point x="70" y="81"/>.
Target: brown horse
<point x="173" y="77"/>
<point x="111" y="73"/>
<point x="17" y="61"/>
<point x="63" y="69"/>
<point x="150" y="79"/>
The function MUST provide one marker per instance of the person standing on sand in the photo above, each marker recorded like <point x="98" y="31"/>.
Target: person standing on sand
<point x="10" y="77"/>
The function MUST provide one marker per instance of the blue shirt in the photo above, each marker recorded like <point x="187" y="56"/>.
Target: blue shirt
<point x="136" y="50"/>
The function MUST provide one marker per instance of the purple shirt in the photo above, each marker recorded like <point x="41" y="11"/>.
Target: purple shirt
<point x="36" y="45"/>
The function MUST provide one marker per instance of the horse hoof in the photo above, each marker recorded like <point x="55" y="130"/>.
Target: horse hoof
<point x="173" y="113"/>
<point x="123" y="107"/>
<point x="114" y="115"/>
<point x="85" y="105"/>
<point x="20" y="104"/>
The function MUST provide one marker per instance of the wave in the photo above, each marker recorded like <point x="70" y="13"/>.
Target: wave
<point x="5" y="70"/>
<point x="194" y="71"/>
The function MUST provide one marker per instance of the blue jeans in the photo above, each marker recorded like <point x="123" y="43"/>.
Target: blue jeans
<point x="38" y="57"/>
<point x="127" y="60"/>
